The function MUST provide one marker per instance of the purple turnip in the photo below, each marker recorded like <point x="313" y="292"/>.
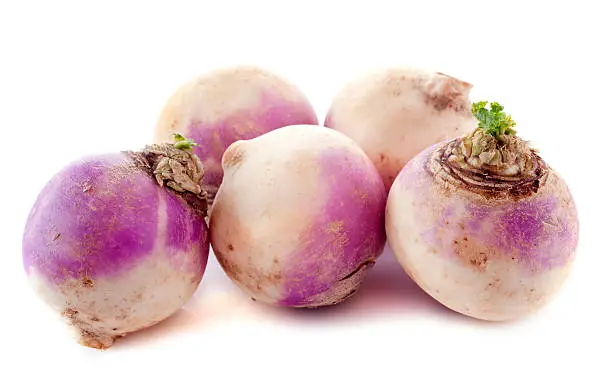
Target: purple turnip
<point x="227" y="105"/>
<point x="482" y="223"/>
<point x="118" y="242"/>
<point x="395" y="113"/>
<point x="299" y="218"/>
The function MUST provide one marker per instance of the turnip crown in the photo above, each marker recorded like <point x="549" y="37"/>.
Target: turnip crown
<point x="491" y="159"/>
<point x="493" y="146"/>
<point x="176" y="166"/>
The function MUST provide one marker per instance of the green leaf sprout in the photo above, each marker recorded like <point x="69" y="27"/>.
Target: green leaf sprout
<point x="183" y="143"/>
<point x="493" y="121"/>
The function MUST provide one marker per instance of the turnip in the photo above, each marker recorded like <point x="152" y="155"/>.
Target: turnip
<point x="299" y="218"/>
<point x="227" y="105"/>
<point x="395" y="113"/>
<point x="118" y="242"/>
<point x="482" y="223"/>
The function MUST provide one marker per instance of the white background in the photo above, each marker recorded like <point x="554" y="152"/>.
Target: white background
<point x="86" y="77"/>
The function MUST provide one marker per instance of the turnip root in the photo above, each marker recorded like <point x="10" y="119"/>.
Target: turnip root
<point x="299" y="218"/>
<point x="118" y="242"/>
<point x="227" y="105"/>
<point x="393" y="114"/>
<point x="482" y="223"/>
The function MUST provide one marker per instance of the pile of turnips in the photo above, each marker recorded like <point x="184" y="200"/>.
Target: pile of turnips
<point x="297" y="213"/>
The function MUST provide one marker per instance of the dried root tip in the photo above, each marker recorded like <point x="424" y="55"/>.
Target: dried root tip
<point x="343" y="289"/>
<point x="98" y="341"/>
<point x="445" y="92"/>
<point x="89" y="334"/>
<point x="233" y="155"/>
<point x="177" y="167"/>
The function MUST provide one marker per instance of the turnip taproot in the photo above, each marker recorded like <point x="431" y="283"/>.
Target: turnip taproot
<point x="395" y="113"/>
<point x="231" y="104"/>
<point x="111" y="249"/>
<point x="299" y="218"/>
<point x="482" y="223"/>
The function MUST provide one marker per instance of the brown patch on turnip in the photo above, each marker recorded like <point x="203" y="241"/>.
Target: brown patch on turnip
<point x="335" y="226"/>
<point x="338" y="241"/>
<point x="87" y="282"/>
<point x="442" y="102"/>
<point x="257" y="280"/>
<point x="475" y="255"/>
<point x="231" y="268"/>
<point x="495" y="284"/>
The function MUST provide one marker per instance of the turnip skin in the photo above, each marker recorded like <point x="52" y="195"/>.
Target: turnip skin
<point x="395" y="113"/>
<point x="112" y="251"/>
<point x="230" y="104"/>
<point x="299" y="218"/>
<point x="492" y="255"/>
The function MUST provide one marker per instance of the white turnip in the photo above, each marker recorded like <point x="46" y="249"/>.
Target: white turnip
<point x="395" y="113"/>
<point x="482" y="223"/>
<point x="118" y="242"/>
<point x="230" y="104"/>
<point x="299" y="218"/>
